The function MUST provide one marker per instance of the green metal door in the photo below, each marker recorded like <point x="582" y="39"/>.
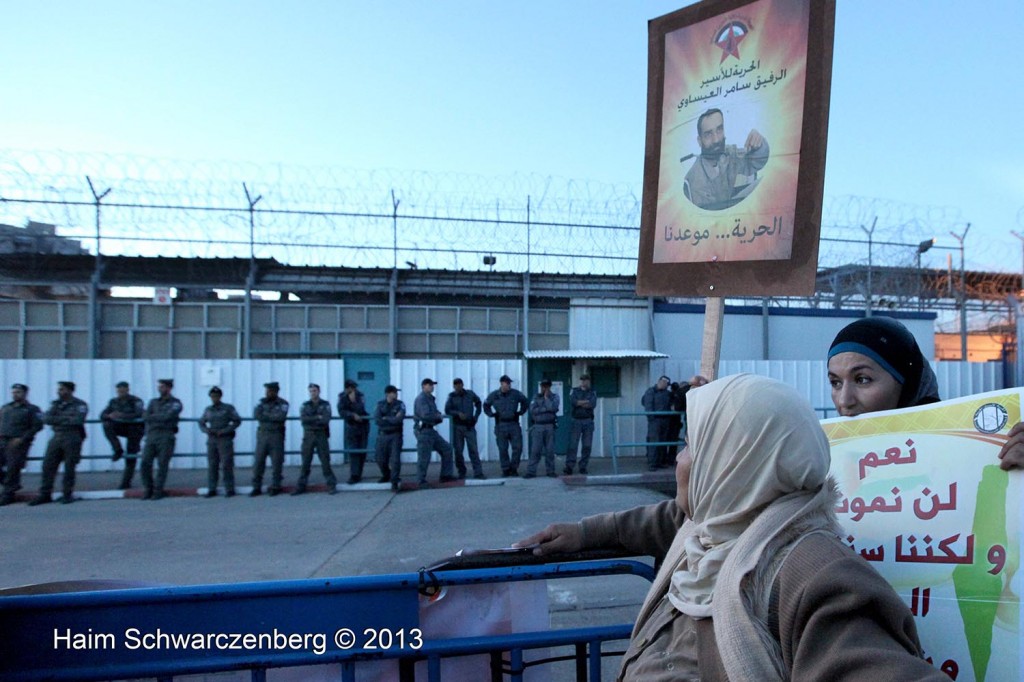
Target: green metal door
<point x="372" y="373"/>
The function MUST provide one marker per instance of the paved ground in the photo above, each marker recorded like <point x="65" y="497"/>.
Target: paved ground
<point x="187" y="539"/>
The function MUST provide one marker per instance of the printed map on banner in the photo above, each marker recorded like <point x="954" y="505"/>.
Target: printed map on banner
<point x="925" y="501"/>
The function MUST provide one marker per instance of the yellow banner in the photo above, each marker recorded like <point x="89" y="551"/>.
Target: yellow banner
<point x="925" y="501"/>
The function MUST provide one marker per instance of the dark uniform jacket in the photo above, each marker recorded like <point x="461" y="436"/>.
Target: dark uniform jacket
<point x="20" y="420"/>
<point x="544" y="408"/>
<point x="271" y="413"/>
<point x="655" y="400"/>
<point x="576" y="395"/>
<point x="162" y="415"/>
<point x="426" y="412"/>
<point x="506" y="407"/>
<point x="679" y="397"/>
<point x="316" y="416"/>
<point x="220" y="420"/>
<point x="348" y="408"/>
<point x="67" y="417"/>
<point x="130" y="407"/>
<point x="389" y="416"/>
<point x="468" y="404"/>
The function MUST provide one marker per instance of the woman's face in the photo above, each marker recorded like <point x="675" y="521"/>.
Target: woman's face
<point x="860" y="385"/>
<point x="684" y="462"/>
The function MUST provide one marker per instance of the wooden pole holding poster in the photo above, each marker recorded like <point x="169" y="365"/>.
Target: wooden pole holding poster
<point x="711" y="345"/>
<point x="734" y="165"/>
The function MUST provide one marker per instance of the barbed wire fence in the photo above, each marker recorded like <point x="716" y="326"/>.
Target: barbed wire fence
<point x="321" y="216"/>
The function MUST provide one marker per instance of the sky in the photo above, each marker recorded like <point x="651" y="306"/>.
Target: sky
<point x="925" y="110"/>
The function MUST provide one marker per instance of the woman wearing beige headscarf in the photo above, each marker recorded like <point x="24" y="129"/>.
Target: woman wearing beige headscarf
<point x="755" y="583"/>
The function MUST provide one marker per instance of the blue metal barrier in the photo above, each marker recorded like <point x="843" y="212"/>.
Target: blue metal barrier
<point x="824" y="412"/>
<point x="644" y="444"/>
<point x="163" y="632"/>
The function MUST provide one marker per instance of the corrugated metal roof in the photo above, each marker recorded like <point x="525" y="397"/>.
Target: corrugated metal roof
<point x="594" y="354"/>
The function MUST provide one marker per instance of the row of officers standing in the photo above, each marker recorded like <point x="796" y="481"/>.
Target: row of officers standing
<point x="156" y="423"/>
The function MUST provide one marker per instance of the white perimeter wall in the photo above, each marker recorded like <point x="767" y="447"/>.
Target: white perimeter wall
<point x="790" y="337"/>
<point x="956" y="379"/>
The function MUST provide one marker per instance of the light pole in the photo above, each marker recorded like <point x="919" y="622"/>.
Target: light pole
<point x="922" y="248"/>
<point x="250" y="280"/>
<point x="963" y="294"/>
<point x="869" y="233"/>
<point x="97" y="275"/>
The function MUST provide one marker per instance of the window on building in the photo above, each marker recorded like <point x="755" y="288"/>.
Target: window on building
<point x="606" y="381"/>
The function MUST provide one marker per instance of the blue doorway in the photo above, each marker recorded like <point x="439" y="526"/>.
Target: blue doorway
<point x="372" y="372"/>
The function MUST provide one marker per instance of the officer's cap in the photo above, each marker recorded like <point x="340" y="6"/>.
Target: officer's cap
<point x="505" y="379"/>
<point x="349" y="383"/>
<point x="121" y="384"/>
<point x="19" y="387"/>
<point x="316" y="386"/>
<point x="169" y="383"/>
<point x="272" y="385"/>
<point x="390" y="389"/>
<point x="70" y="385"/>
<point x="216" y="389"/>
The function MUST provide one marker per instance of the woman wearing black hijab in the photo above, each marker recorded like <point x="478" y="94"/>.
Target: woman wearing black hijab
<point x="875" y="364"/>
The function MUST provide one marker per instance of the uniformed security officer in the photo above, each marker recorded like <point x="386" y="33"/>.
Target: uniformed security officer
<point x="428" y="440"/>
<point x="219" y="422"/>
<point x="316" y="431"/>
<point x="582" y="401"/>
<point x="543" y="412"/>
<point x="352" y="408"/>
<point x="20" y="421"/>
<point x="122" y="417"/>
<point x="658" y="399"/>
<point x="67" y="417"/>
<point x="506" y="405"/>
<point x="464" y="407"/>
<point x="270" y="413"/>
<point x="161" y="418"/>
<point x="389" y="415"/>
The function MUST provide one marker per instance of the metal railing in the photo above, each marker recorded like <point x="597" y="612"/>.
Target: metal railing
<point x="824" y="412"/>
<point x="287" y="623"/>
<point x="616" y="445"/>
<point x="246" y="453"/>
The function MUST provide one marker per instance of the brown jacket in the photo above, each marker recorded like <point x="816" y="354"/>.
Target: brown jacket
<point x="833" y="615"/>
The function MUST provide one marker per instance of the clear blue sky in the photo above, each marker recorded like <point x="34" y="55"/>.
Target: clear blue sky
<point x="926" y="96"/>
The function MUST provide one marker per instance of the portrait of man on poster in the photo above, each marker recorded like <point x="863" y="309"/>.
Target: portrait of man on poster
<point x="723" y="175"/>
<point x="740" y="210"/>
